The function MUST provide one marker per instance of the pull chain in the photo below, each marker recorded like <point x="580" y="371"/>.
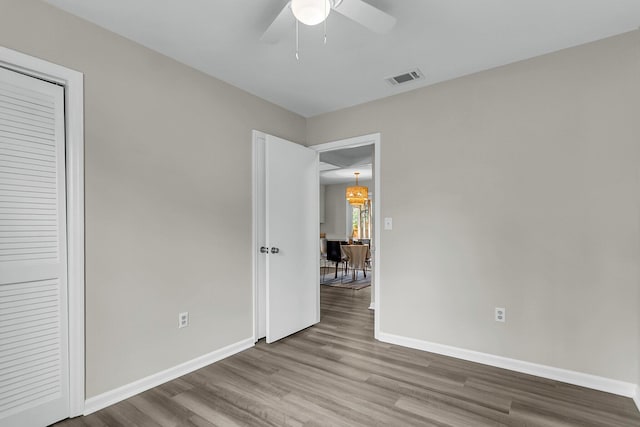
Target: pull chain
<point x="297" y="42"/>
<point x="325" y="22"/>
<point x="298" y="31"/>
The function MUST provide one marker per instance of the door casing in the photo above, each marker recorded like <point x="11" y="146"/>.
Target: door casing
<point x="73" y="83"/>
<point x="359" y="141"/>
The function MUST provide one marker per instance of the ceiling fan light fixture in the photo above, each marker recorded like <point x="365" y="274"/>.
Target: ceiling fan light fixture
<point x="311" y="12"/>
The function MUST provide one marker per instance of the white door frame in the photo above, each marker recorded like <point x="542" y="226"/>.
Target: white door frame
<point x="359" y="141"/>
<point x="73" y="84"/>
<point x="257" y="207"/>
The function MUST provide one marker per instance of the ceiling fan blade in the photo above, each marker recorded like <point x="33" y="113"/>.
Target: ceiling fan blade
<point x="280" y="26"/>
<point x="364" y="14"/>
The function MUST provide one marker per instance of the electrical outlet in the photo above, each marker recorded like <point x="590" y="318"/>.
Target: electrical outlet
<point x="183" y="319"/>
<point x="501" y="314"/>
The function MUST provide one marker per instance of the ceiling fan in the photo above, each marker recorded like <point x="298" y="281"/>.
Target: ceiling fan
<point x="312" y="12"/>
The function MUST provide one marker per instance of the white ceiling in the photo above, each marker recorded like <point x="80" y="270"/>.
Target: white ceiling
<point x="346" y="175"/>
<point x="444" y="38"/>
<point x="339" y="166"/>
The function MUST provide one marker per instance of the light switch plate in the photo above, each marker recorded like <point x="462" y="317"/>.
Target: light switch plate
<point x="388" y="223"/>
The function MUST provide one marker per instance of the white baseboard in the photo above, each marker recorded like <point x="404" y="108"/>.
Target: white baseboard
<point x="572" y="377"/>
<point x="636" y="397"/>
<point x="126" y="391"/>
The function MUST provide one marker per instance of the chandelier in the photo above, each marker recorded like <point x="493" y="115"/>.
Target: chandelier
<point x="357" y="195"/>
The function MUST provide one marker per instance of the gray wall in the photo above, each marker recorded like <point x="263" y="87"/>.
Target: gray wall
<point x="335" y="215"/>
<point x="517" y="187"/>
<point x="168" y="195"/>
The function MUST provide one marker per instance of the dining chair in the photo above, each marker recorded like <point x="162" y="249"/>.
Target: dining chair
<point x="357" y="259"/>
<point x="323" y="257"/>
<point x="334" y="254"/>
<point x="367" y="261"/>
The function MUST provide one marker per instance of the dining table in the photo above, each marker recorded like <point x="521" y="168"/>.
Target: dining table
<point x="356" y="256"/>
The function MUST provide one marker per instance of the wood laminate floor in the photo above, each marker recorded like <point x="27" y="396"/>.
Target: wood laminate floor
<point x="336" y="374"/>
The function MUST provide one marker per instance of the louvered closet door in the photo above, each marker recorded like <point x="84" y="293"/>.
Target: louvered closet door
<point x="34" y="371"/>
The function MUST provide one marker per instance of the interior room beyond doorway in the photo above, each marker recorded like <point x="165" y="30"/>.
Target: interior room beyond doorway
<point x="347" y="229"/>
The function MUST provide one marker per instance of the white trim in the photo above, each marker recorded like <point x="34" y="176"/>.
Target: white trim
<point x="572" y="377"/>
<point x="254" y="231"/>
<point x="636" y="397"/>
<point x="317" y="210"/>
<point x="73" y="82"/>
<point x="356" y="141"/>
<point x="121" y="393"/>
<point x="257" y="183"/>
<point x="360" y="141"/>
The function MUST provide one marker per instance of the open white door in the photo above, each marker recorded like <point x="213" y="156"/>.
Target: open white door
<point x="291" y="235"/>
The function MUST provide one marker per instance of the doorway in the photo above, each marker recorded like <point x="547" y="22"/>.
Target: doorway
<point x="372" y="140"/>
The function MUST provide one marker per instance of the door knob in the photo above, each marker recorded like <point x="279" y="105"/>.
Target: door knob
<point x="275" y="250"/>
<point x="264" y="250"/>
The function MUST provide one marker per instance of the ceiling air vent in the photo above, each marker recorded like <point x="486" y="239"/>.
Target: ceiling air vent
<point x="407" y="77"/>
